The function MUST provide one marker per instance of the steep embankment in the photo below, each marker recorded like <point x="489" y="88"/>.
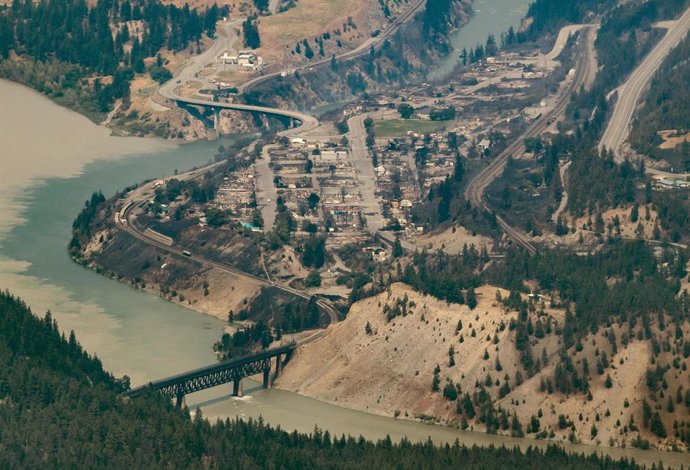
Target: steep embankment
<point x="211" y="291"/>
<point x="383" y="366"/>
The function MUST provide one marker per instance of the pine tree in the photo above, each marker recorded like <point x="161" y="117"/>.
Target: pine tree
<point x="608" y="382"/>
<point x="251" y="33"/>
<point x="397" y="248"/>
<point x="657" y="426"/>
<point x="471" y="298"/>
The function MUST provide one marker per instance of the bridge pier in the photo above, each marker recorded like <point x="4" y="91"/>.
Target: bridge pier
<point x="267" y="372"/>
<point x="179" y="398"/>
<point x="216" y="119"/>
<point x="264" y="122"/>
<point x="237" y="388"/>
<point x="177" y="387"/>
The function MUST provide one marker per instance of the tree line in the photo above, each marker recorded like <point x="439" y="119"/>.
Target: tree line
<point x="101" y="39"/>
<point x="61" y="409"/>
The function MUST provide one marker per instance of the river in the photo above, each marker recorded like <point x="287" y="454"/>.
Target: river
<point x="52" y="160"/>
<point x="490" y="17"/>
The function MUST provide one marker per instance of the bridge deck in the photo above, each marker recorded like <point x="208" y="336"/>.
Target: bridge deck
<point x="170" y="383"/>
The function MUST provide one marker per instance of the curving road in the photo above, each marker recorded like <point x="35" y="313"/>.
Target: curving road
<point x="227" y="35"/>
<point x="629" y="94"/>
<point x="477" y="187"/>
<point x="307" y="121"/>
<point x="225" y="39"/>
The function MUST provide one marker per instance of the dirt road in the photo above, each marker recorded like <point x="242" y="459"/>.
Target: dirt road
<point x="365" y="173"/>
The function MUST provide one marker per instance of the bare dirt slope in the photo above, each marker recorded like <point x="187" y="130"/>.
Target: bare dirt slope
<point x="387" y="368"/>
<point x="453" y="240"/>
<point x="226" y="292"/>
<point x="391" y="369"/>
<point x="617" y="222"/>
<point x="351" y="22"/>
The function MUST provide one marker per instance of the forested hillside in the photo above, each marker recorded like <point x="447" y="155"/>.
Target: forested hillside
<point x="596" y="182"/>
<point x="86" y="54"/>
<point x="550" y="15"/>
<point x="402" y="58"/>
<point x="437" y="17"/>
<point x="60" y="409"/>
<point x="589" y="349"/>
<point x="625" y="37"/>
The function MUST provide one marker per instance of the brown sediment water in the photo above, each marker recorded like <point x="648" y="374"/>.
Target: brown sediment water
<point x="52" y="159"/>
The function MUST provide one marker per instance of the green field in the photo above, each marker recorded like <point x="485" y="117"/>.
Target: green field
<point x="399" y="127"/>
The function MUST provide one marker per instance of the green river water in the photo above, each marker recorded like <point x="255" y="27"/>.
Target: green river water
<point x="490" y="17"/>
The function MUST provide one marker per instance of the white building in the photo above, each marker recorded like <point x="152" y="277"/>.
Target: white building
<point x="244" y="60"/>
<point x="298" y="142"/>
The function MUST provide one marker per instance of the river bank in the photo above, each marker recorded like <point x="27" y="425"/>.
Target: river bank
<point x="489" y="17"/>
<point x="296" y="412"/>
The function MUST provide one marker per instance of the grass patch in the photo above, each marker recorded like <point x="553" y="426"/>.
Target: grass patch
<point x="307" y="20"/>
<point x="400" y="127"/>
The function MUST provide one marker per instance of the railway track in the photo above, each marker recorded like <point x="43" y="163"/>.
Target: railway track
<point x="168" y="90"/>
<point x="476" y="190"/>
<point x="128" y="224"/>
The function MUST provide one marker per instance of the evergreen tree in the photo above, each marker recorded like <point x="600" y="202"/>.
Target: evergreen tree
<point x="251" y="33"/>
<point x="397" y="248"/>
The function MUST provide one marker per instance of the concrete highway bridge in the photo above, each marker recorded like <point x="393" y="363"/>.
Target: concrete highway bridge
<point x="295" y="119"/>
<point x="214" y="375"/>
<point x="190" y="72"/>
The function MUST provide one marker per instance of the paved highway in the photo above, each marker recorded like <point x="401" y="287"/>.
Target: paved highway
<point x="629" y="94"/>
<point x="357" y="136"/>
<point x="477" y="188"/>
<point x="307" y="121"/>
<point x="365" y="173"/>
<point x="266" y="191"/>
<point x="225" y="40"/>
<point x="227" y="35"/>
<point x="367" y="184"/>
